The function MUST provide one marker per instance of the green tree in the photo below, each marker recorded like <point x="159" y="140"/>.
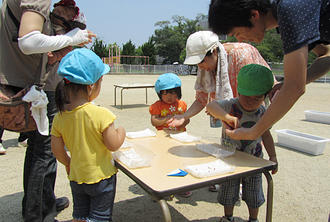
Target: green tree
<point x="170" y="39"/>
<point x="100" y="48"/>
<point x="148" y="49"/>
<point x="128" y="50"/>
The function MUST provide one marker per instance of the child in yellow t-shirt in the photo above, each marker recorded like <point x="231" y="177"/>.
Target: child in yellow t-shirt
<point x="89" y="134"/>
<point x="168" y="89"/>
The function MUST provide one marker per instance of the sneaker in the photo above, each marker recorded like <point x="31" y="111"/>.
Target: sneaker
<point x="2" y="150"/>
<point x="185" y="194"/>
<point x="225" y="219"/>
<point x="22" y="144"/>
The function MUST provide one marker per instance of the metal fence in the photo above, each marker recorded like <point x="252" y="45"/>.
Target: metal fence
<point x="181" y="69"/>
<point x="153" y="69"/>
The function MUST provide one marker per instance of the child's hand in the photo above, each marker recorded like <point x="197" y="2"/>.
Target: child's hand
<point x="231" y="122"/>
<point x="274" y="159"/>
<point x="176" y="121"/>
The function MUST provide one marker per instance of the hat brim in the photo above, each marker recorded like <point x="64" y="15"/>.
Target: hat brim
<point x="193" y="60"/>
<point x="106" y="69"/>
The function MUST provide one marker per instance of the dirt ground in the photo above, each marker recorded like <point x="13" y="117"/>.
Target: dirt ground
<point x="301" y="186"/>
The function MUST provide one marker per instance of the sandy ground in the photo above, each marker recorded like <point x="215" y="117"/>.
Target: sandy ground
<point x="301" y="187"/>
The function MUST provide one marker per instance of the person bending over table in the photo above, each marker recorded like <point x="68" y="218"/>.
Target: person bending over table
<point x="204" y="49"/>
<point x="303" y="25"/>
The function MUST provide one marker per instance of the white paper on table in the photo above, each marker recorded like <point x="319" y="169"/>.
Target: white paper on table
<point x="143" y="133"/>
<point x="185" y="137"/>
<point x="131" y="158"/>
<point x="213" y="168"/>
<point x="126" y="144"/>
<point x="216" y="150"/>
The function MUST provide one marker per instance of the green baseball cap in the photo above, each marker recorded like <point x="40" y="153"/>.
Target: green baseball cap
<point x="254" y="80"/>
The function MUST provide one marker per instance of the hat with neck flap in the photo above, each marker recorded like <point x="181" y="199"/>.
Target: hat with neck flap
<point x="82" y="66"/>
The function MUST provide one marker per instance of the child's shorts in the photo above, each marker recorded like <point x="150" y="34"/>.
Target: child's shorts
<point x="94" y="202"/>
<point x="252" y="192"/>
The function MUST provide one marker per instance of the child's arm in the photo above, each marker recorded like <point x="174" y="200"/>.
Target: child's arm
<point x="268" y="141"/>
<point x="60" y="153"/>
<point x="157" y="120"/>
<point x="113" y="138"/>
<point x="214" y="109"/>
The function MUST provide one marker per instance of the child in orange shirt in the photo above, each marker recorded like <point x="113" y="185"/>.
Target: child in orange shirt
<point x="168" y="89"/>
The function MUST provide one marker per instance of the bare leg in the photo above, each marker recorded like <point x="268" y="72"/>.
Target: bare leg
<point x="253" y="213"/>
<point x="229" y="210"/>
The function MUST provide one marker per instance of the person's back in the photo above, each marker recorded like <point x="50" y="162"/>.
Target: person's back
<point x="81" y="130"/>
<point x="89" y="134"/>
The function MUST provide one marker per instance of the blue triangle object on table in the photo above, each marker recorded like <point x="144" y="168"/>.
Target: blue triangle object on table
<point x="177" y="173"/>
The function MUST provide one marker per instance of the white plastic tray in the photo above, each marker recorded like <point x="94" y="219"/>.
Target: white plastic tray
<point x="302" y="141"/>
<point x="317" y="116"/>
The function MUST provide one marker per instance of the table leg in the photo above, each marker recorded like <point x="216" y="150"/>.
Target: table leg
<point x="146" y="95"/>
<point x="115" y="94"/>
<point x="270" y="186"/>
<point x="166" y="211"/>
<point x="121" y="98"/>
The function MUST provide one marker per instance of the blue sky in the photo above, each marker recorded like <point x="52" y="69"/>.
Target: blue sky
<point x="123" y="20"/>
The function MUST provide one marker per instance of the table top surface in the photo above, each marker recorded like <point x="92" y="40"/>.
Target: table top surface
<point x="168" y="154"/>
<point x="134" y="85"/>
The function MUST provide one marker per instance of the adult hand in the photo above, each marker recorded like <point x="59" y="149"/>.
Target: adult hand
<point x="241" y="134"/>
<point x="231" y="122"/>
<point x="91" y="35"/>
<point x="176" y="121"/>
<point x="274" y="91"/>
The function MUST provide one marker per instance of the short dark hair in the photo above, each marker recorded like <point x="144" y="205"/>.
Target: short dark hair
<point x="224" y="15"/>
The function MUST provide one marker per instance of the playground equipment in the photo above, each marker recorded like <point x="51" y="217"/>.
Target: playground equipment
<point x="116" y="60"/>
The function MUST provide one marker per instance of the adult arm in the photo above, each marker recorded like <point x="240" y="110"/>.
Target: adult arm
<point x="32" y="41"/>
<point x="194" y="109"/>
<point x="113" y="138"/>
<point x="321" y="65"/>
<point x="295" y="70"/>
<point x="268" y="142"/>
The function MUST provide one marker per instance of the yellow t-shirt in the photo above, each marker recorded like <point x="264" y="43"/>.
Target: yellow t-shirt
<point x="81" y="130"/>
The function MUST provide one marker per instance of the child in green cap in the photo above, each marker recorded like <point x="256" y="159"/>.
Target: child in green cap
<point x="253" y="83"/>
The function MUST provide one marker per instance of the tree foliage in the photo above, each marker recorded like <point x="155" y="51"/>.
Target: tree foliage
<point x="148" y="49"/>
<point x="170" y="38"/>
<point x="100" y="48"/>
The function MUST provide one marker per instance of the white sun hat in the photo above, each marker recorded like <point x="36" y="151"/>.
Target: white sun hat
<point x="198" y="44"/>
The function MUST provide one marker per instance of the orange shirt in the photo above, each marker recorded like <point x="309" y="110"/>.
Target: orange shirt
<point x="162" y="109"/>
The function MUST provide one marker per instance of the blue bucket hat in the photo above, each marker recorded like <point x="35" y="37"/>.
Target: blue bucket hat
<point x="167" y="81"/>
<point x="82" y="66"/>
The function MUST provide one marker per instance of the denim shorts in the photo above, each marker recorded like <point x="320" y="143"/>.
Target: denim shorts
<point x="252" y="192"/>
<point x="94" y="202"/>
